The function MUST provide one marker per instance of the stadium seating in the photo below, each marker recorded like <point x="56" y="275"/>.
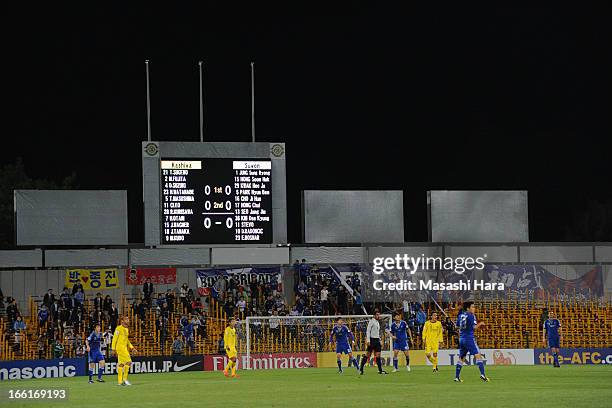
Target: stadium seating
<point x="511" y="323"/>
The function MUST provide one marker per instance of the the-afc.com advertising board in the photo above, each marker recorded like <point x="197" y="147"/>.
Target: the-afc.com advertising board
<point x="575" y="356"/>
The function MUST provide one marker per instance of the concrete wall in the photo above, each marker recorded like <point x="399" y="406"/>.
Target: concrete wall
<point x="86" y="257"/>
<point x="21" y="258"/>
<point x="21" y="284"/>
<point x="29" y="272"/>
<point x="202" y="256"/>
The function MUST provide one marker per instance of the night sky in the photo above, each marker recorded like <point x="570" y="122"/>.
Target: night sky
<point x="416" y="99"/>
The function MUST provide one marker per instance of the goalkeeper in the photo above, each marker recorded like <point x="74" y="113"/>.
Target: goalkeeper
<point x="432" y="337"/>
<point x="121" y="347"/>
<point x="229" y="341"/>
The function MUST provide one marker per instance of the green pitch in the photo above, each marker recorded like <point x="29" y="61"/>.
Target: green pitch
<point x="518" y="386"/>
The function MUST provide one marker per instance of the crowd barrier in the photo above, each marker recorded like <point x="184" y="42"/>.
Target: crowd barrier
<point x="71" y="367"/>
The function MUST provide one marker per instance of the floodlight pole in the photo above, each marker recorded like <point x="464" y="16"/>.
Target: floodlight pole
<point x="200" y="64"/>
<point x="148" y="102"/>
<point x="252" y="102"/>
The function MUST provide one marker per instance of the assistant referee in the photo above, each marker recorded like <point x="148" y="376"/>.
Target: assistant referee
<point x="373" y="343"/>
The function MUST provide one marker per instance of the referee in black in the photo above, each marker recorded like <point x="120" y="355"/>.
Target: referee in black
<point x="373" y="343"/>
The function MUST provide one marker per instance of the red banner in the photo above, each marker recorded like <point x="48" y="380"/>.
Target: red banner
<point x="276" y="361"/>
<point x="161" y="276"/>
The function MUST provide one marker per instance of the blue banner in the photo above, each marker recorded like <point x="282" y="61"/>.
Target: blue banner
<point x="421" y="285"/>
<point x="575" y="356"/>
<point x="537" y="281"/>
<point x="56" y="368"/>
<point x="207" y="279"/>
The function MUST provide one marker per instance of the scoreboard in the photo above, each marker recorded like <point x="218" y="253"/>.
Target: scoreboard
<point x="216" y="201"/>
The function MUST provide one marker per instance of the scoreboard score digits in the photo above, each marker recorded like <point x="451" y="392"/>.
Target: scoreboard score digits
<point x="216" y="201"/>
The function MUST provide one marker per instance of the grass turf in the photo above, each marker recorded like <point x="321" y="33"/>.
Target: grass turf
<point x="516" y="386"/>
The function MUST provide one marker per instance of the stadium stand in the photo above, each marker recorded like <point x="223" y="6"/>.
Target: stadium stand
<point x="57" y="326"/>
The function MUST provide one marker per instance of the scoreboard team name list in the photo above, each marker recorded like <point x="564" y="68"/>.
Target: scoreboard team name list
<point x="232" y="201"/>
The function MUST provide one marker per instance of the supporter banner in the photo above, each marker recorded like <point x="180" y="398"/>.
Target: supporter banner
<point x="93" y="279"/>
<point x="537" y="281"/>
<point x="328" y="359"/>
<point x="575" y="356"/>
<point x="158" y="364"/>
<point x="454" y="279"/>
<point x="161" y="276"/>
<point x="444" y="286"/>
<point x="208" y="279"/>
<point x="27" y="369"/>
<point x="274" y="361"/>
<point x="346" y="271"/>
<point x="491" y="357"/>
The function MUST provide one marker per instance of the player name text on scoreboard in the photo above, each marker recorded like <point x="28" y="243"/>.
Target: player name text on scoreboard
<point x="216" y="201"/>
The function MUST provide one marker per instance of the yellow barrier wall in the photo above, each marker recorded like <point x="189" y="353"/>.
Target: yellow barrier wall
<point x="328" y="359"/>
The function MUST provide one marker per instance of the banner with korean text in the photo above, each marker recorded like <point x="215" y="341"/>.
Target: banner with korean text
<point x="93" y="279"/>
<point x="158" y="276"/>
<point x="538" y="281"/>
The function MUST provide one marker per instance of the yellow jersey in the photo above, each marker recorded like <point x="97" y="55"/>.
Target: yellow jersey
<point x="432" y="332"/>
<point x="121" y="341"/>
<point x="229" y="337"/>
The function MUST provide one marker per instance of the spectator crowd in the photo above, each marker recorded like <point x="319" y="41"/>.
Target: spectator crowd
<point x="60" y="319"/>
<point x="319" y="292"/>
<point x="65" y="319"/>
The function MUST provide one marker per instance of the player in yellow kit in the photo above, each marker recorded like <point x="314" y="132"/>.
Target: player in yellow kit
<point x="121" y="348"/>
<point x="229" y="341"/>
<point x="432" y="337"/>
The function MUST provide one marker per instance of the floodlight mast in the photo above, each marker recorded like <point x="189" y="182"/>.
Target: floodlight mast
<point x="148" y="102"/>
<point x="201" y="67"/>
<point x="252" y="102"/>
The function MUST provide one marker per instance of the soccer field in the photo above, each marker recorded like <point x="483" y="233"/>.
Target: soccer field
<point x="517" y="386"/>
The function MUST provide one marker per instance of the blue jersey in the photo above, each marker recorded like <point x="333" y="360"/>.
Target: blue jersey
<point x="458" y="322"/>
<point x="552" y="328"/>
<point x="466" y="323"/>
<point x="342" y="334"/>
<point x="95" y="341"/>
<point x="399" y="330"/>
<point x="188" y="330"/>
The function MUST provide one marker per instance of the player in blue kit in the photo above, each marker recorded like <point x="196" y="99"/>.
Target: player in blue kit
<point x="399" y="333"/>
<point x="343" y="335"/>
<point x="552" y="330"/>
<point x="94" y="353"/>
<point x="466" y="321"/>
